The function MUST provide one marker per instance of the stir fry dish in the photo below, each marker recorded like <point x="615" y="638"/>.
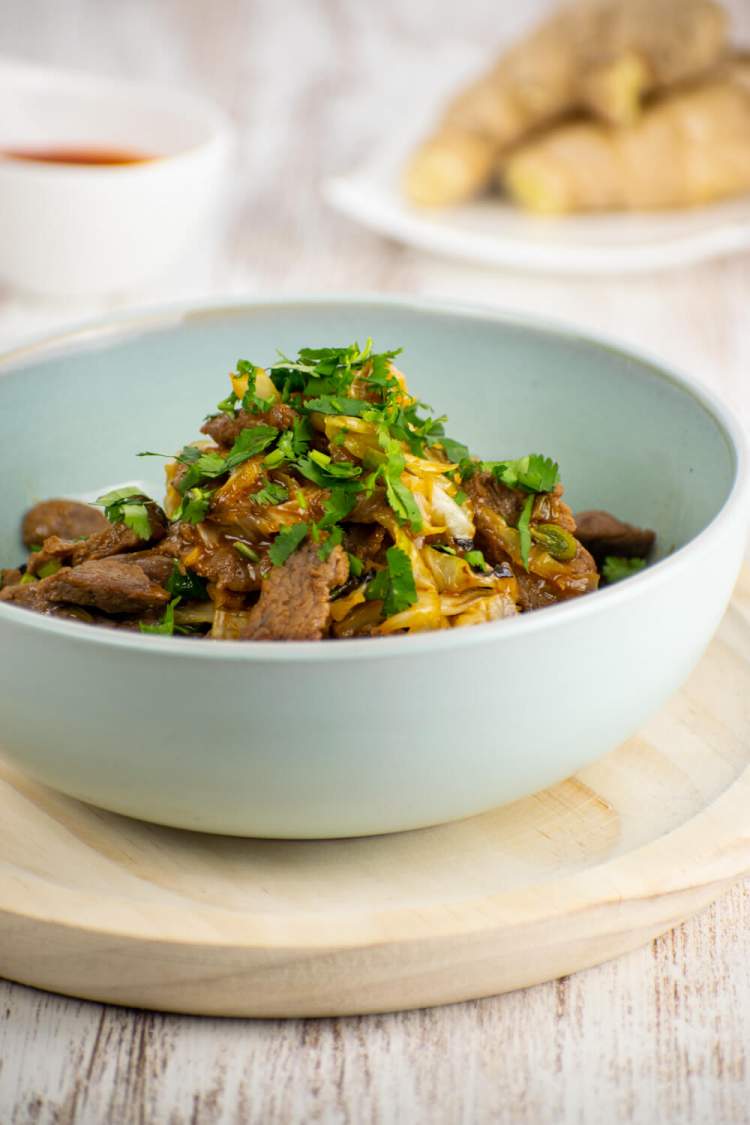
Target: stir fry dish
<point x="324" y="501"/>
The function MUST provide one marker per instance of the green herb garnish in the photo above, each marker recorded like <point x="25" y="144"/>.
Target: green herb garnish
<point x="395" y="584"/>
<point x="271" y="493"/>
<point x="164" y="627"/>
<point x="532" y="473"/>
<point x="476" y="560"/>
<point x="615" y="568"/>
<point x="128" y="506"/>
<point x="185" y="584"/>
<point x="246" y="551"/>
<point x="356" y="566"/>
<point x="194" y="506"/>
<point x="286" y="543"/>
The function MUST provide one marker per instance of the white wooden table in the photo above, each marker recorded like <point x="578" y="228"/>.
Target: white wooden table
<point x="661" y="1035"/>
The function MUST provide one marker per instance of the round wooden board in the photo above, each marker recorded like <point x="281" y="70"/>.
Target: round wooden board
<point x="99" y="906"/>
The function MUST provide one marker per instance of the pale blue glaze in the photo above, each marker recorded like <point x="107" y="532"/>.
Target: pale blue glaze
<point x="366" y="736"/>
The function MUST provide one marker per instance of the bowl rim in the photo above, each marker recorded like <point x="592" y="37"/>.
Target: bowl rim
<point x="139" y="321"/>
<point x="218" y="129"/>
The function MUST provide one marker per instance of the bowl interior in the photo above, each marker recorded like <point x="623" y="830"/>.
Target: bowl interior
<point x="44" y="108"/>
<point x="627" y="436"/>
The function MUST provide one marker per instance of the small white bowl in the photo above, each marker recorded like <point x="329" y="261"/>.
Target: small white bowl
<point x="78" y="229"/>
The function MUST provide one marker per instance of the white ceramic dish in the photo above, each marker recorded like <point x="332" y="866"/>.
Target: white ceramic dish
<point x="85" y="229"/>
<point x="357" y="737"/>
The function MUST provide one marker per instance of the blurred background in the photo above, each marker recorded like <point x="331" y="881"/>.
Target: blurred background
<point x="314" y="87"/>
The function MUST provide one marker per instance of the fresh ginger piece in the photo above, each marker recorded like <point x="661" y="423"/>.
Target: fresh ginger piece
<point x="690" y="148"/>
<point x="599" y="55"/>
<point x="451" y="165"/>
<point x="614" y="92"/>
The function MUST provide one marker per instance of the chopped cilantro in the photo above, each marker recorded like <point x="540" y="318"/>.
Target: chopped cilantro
<point x="615" y="568"/>
<point x="533" y="473"/>
<point x="334" y="539"/>
<point x="194" y="506"/>
<point x="228" y="404"/>
<point x="250" y="442"/>
<point x="476" y="560"/>
<point x="165" y="627"/>
<point x="338" y="506"/>
<point x="185" y="584"/>
<point x="286" y="543"/>
<point x="454" y="450"/>
<point x="323" y="471"/>
<point x="128" y="506"/>
<point x="395" y="584"/>
<point x="332" y="404"/>
<point x="400" y="498"/>
<point x="356" y="566"/>
<point x="271" y="493"/>
<point x="460" y="497"/>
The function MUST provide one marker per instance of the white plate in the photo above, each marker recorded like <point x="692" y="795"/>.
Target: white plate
<point x="495" y="233"/>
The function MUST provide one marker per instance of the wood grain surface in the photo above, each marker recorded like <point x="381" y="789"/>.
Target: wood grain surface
<point x="99" y="906"/>
<point x="659" y="1035"/>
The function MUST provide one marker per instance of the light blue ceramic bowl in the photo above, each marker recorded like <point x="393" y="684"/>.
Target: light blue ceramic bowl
<point x="363" y="736"/>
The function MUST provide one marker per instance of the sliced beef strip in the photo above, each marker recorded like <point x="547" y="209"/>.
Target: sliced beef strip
<point x="113" y="539"/>
<point x="225" y="430"/>
<point x="66" y="518"/>
<point x="294" y="604"/>
<point x="486" y="491"/>
<point x="156" y="566"/>
<point x="106" y="584"/>
<point x="603" y="534"/>
<point x="213" y="557"/>
<point x="9" y="576"/>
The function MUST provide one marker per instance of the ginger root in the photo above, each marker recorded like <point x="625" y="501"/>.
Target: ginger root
<point x="603" y="56"/>
<point x="689" y="148"/>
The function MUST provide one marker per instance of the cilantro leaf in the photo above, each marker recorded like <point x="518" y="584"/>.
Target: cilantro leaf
<point x="271" y="493"/>
<point x="399" y="497"/>
<point x="356" y="566"/>
<point x="228" y="404"/>
<point x="286" y="543"/>
<point x="165" y="627"/>
<point x="476" y="560"/>
<point x="250" y="442"/>
<point x="332" y="404"/>
<point x="524" y="530"/>
<point x="615" y="568"/>
<point x="532" y="473"/>
<point x="337" y="507"/>
<point x="194" y="506"/>
<point x="335" y="537"/>
<point x="323" y="471"/>
<point x="185" y="584"/>
<point x="454" y="450"/>
<point x="128" y="506"/>
<point x="292" y="444"/>
<point x="395" y="584"/>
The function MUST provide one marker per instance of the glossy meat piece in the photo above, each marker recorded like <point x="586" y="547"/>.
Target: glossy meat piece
<point x="294" y="604"/>
<point x="66" y="518"/>
<point x="496" y="508"/>
<point x="113" y="539"/>
<point x="105" y="584"/>
<point x="225" y="430"/>
<point x="603" y="534"/>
